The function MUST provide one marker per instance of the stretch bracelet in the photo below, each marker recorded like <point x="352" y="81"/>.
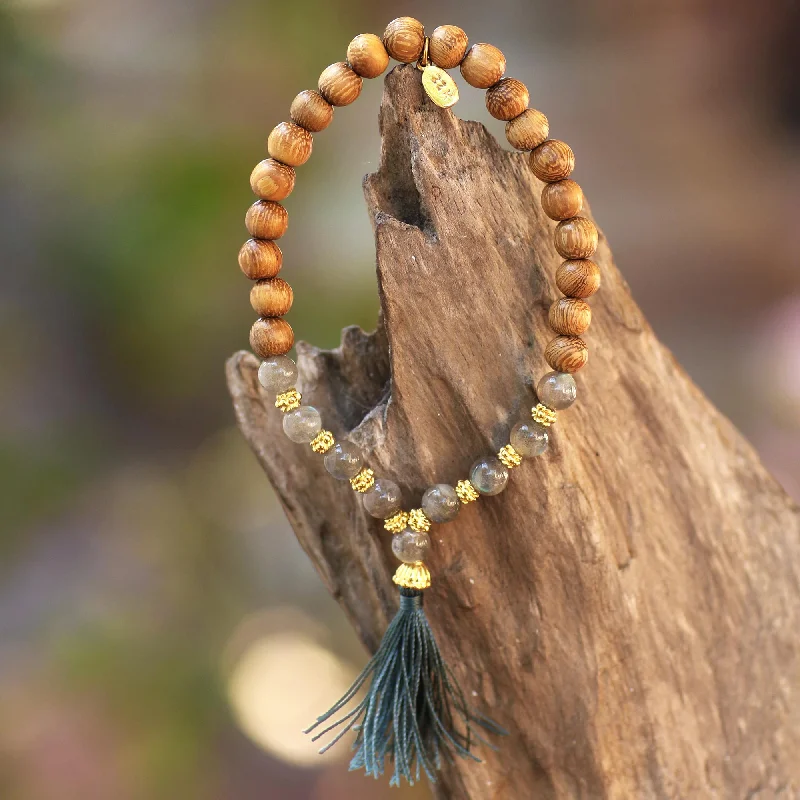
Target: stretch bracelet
<point x="414" y="712"/>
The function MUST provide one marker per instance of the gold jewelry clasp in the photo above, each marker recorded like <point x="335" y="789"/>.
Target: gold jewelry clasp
<point x="423" y="59"/>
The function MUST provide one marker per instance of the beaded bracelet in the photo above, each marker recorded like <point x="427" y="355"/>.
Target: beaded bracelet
<point x="414" y="711"/>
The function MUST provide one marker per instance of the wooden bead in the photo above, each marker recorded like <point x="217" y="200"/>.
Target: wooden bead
<point x="447" y="47"/>
<point x="272" y="180"/>
<point x="578" y="278"/>
<point x="266" y="220"/>
<point x="576" y="238"/>
<point x="310" y="110"/>
<point x="483" y="65"/>
<point x="367" y="56"/>
<point x="568" y="316"/>
<point x="271" y="298"/>
<point x="404" y="39"/>
<point x="528" y="130"/>
<point x="290" y="144"/>
<point x="566" y="353"/>
<point x="552" y="160"/>
<point x="271" y="336"/>
<point x="562" y="199"/>
<point x="260" y="259"/>
<point x="507" y="99"/>
<point x="339" y="85"/>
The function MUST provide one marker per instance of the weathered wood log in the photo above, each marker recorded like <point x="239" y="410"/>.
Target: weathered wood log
<point x="628" y="608"/>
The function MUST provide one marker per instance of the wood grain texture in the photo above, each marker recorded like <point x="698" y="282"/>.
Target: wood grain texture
<point x="628" y="606"/>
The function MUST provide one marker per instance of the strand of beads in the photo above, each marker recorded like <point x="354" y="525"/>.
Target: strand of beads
<point x="290" y="144"/>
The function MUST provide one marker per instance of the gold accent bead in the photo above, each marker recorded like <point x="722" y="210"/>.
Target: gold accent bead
<point x="412" y="576"/>
<point x="417" y="521"/>
<point x="509" y="456"/>
<point x="288" y="401"/>
<point x="363" y="481"/>
<point x="322" y="442"/>
<point x="543" y="415"/>
<point x="466" y="492"/>
<point x="396" y="523"/>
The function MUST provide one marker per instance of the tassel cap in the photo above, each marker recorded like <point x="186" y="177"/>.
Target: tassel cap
<point x="412" y="576"/>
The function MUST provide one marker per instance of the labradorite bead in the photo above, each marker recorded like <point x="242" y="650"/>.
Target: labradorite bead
<point x="529" y="438"/>
<point x="440" y="503"/>
<point x="410" y="546"/>
<point x="278" y="374"/>
<point x="557" y="390"/>
<point x="382" y="499"/>
<point x="488" y="475"/>
<point x="302" y="424"/>
<point x="343" y="461"/>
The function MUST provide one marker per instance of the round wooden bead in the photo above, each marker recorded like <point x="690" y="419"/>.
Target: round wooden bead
<point x="552" y="160"/>
<point x="404" y="39"/>
<point x="448" y="45"/>
<point x="272" y="180"/>
<point x="266" y="220"/>
<point x="578" y="278"/>
<point x="260" y="259"/>
<point x="483" y="65"/>
<point x="507" y="99"/>
<point x="290" y="144"/>
<point x="576" y="238"/>
<point x="562" y="199"/>
<point x="271" y="298"/>
<point x="339" y="85"/>
<point x="310" y="110"/>
<point x="367" y="56"/>
<point x="271" y="336"/>
<point x="528" y="130"/>
<point x="566" y="353"/>
<point x="568" y="316"/>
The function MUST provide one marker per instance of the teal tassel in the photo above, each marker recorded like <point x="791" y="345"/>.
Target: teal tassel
<point x="414" y="711"/>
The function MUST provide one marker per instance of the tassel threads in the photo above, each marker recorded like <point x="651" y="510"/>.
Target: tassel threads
<point x="414" y="711"/>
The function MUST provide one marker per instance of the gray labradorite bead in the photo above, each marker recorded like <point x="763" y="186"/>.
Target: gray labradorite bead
<point x="278" y="374"/>
<point x="529" y="438"/>
<point x="440" y="503"/>
<point x="488" y="475"/>
<point x="302" y="424"/>
<point x="343" y="461"/>
<point x="410" y="546"/>
<point x="382" y="499"/>
<point x="557" y="390"/>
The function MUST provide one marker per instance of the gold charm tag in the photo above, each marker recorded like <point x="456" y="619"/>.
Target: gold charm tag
<point x="439" y="86"/>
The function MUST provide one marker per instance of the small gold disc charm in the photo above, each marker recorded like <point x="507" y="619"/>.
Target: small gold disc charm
<point x="440" y="87"/>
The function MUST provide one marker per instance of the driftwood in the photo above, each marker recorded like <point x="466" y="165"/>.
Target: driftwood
<point x="628" y="607"/>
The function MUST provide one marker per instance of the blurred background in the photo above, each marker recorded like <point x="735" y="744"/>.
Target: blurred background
<point x="162" y="635"/>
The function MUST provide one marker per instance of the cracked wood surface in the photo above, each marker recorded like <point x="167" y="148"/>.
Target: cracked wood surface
<point x="628" y="607"/>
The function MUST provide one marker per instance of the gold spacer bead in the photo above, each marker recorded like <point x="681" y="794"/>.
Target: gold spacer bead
<point x="363" y="481"/>
<point x="396" y="523"/>
<point x="466" y="492"/>
<point x="543" y="415"/>
<point x="509" y="456"/>
<point x="417" y="521"/>
<point x="322" y="442"/>
<point x="288" y="401"/>
<point x="412" y="576"/>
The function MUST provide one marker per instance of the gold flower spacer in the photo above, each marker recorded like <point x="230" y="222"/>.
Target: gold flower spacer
<point x="363" y="481"/>
<point x="412" y="576"/>
<point x="466" y="492"/>
<point x="288" y="401"/>
<point x="322" y="442"/>
<point x="543" y="415"/>
<point x="396" y="523"/>
<point x="417" y="521"/>
<point x="509" y="456"/>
